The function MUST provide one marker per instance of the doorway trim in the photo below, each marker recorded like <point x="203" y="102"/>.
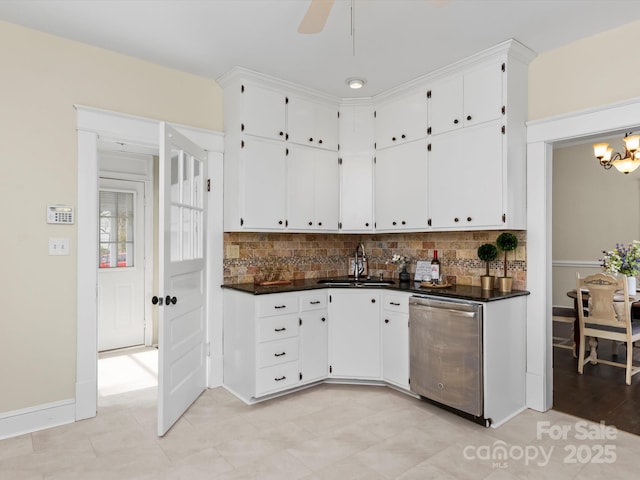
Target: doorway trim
<point x="541" y="135"/>
<point x="92" y="124"/>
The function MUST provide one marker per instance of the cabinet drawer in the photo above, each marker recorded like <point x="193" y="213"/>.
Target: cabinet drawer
<point x="396" y="303"/>
<point x="277" y="305"/>
<point x="279" y="351"/>
<point x="313" y="302"/>
<point x="277" y="377"/>
<point x="275" y="328"/>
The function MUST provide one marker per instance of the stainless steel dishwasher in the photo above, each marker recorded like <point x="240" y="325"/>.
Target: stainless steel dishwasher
<point x="445" y="353"/>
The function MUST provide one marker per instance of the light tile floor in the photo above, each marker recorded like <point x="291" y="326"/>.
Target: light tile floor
<point x="328" y="432"/>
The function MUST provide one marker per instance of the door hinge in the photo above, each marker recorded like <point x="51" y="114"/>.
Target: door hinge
<point x="330" y="369"/>
<point x="242" y="127"/>
<point x="241" y="143"/>
<point x="428" y="93"/>
<point x="374" y="160"/>
<point x="208" y="349"/>
<point x="286" y="152"/>
<point x="300" y="375"/>
<point x="241" y="88"/>
<point x="339" y="161"/>
<point x="375" y="113"/>
<point x="504" y="110"/>
<point x="329" y="298"/>
<point x="504" y="218"/>
<point x="241" y="221"/>
<point x="286" y="100"/>
<point x="429" y="222"/>
<point x="504" y="129"/>
<point x="286" y="223"/>
<point x="429" y="131"/>
<point x="338" y="147"/>
<point x="504" y="67"/>
<point x="338" y="113"/>
<point x="299" y="321"/>
<point x="340" y="225"/>
<point x="429" y="148"/>
<point x="208" y="184"/>
<point x="409" y="381"/>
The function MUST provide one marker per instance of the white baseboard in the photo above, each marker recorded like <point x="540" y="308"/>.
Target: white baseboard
<point x="27" y="420"/>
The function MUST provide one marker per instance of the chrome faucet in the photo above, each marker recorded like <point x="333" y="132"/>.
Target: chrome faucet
<point x="359" y="265"/>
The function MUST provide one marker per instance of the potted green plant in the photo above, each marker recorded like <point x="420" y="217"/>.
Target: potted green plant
<point x="487" y="252"/>
<point x="506" y="242"/>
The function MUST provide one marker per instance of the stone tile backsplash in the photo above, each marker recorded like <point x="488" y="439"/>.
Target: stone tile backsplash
<point x="250" y="257"/>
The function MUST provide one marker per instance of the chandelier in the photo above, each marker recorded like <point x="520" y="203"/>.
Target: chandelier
<point x="626" y="163"/>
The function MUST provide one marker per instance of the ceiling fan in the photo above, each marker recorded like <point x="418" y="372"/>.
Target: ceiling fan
<point x="318" y="13"/>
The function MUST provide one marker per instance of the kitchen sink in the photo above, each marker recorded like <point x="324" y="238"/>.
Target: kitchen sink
<point x="352" y="282"/>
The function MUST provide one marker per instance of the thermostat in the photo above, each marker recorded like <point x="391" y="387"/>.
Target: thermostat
<point x="61" y="214"/>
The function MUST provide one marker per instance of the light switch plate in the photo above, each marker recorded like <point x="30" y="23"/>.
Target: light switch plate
<point x="58" y="246"/>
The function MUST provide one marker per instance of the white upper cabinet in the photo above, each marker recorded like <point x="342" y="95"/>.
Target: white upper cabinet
<point x="467" y="99"/>
<point x="467" y="188"/>
<point x="263" y="112"/>
<point x="313" y="189"/>
<point x="401" y="187"/>
<point x="356" y="128"/>
<point x="312" y="123"/>
<point x="401" y="119"/>
<point x="263" y="184"/>
<point x="356" y="192"/>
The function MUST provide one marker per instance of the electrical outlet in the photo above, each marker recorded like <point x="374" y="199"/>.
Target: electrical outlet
<point x="58" y="246"/>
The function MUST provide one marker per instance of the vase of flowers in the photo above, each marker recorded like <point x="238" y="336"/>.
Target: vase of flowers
<point x="506" y="242"/>
<point x="623" y="260"/>
<point x="487" y="253"/>
<point x="402" y="261"/>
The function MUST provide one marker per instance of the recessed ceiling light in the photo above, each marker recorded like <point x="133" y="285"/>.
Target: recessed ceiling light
<point x="355" y="83"/>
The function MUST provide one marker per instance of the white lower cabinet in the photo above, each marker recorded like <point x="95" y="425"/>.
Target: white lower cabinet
<point x="354" y="334"/>
<point x="395" y="339"/>
<point x="314" y="337"/>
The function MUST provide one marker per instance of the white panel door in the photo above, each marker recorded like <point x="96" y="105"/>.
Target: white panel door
<point x="121" y="321"/>
<point x="182" y="329"/>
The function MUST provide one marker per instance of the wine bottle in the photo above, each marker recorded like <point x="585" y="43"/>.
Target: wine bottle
<point x="435" y="268"/>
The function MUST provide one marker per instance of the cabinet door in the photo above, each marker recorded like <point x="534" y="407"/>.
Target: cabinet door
<point x="264" y="112"/>
<point x="395" y="348"/>
<point x="483" y="94"/>
<point x="301" y="187"/>
<point x="327" y="190"/>
<point x="355" y="335"/>
<point x="314" y="337"/>
<point x="264" y="184"/>
<point x="466" y="190"/>
<point x="356" y="185"/>
<point x="312" y="123"/>
<point x="356" y="128"/>
<point x="401" y="187"/>
<point x="313" y="189"/>
<point x="400" y="120"/>
<point x="446" y="105"/>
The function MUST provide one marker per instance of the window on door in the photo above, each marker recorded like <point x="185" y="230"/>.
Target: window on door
<point x="116" y="229"/>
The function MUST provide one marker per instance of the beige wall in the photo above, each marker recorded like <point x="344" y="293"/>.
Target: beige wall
<point x="597" y="70"/>
<point x="593" y="209"/>
<point x="42" y="78"/>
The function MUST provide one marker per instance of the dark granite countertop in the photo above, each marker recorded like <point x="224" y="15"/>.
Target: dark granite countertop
<point x="462" y="292"/>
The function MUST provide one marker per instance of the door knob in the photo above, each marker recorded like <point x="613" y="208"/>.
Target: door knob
<point x="156" y="300"/>
<point x="169" y="299"/>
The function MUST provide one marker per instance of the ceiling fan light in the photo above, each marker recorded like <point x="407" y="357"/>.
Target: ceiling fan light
<point x="356" y="83"/>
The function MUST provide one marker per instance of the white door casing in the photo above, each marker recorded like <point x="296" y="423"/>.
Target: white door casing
<point x="121" y="293"/>
<point x="182" y="343"/>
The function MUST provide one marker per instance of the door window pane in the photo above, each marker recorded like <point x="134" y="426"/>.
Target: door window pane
<point x="116" y="229"/>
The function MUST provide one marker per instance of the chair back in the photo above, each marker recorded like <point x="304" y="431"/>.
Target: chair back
<point x="608" y="301"/>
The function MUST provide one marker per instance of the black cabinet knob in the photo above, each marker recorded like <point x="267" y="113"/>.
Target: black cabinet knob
<point x="279" y="222"/>
<point x="373" y="300"/>
<point x="393" y="223"/>
<point x="456" y="219"/>
<point x="319" y="224"/>
<point x="320" y="141"/>
<point x="455" y="121"/>
<point x="310" y="223"/>
<point x="324" y="319"/>
<point x="393" y="139"/>
<point x="155" y="300"/>
<point x="386" y="320"/>
<point x="311" y="139"/>
<point x="403" y="222"/>
<point x="468" y="117"/>
<point x="366" y="224"/>
<point x="404" y="136"/>
<point x="468" y="219"/>
<point x="281" y="134"/>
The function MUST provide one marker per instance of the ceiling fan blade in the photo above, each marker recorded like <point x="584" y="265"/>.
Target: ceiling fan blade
<point x="316" y="16"/>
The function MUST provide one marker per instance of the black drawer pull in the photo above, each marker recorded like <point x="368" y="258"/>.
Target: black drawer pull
<point x="315" y="302"/>
<point x="394" y="303"/>
<point x="280" y="354"/>
<point x="279" y="379"/>
<point x="281" y="329"/>
<point x="280" y="306"/>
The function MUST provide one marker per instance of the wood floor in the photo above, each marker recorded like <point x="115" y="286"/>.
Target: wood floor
<point x="600" y="394"/>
